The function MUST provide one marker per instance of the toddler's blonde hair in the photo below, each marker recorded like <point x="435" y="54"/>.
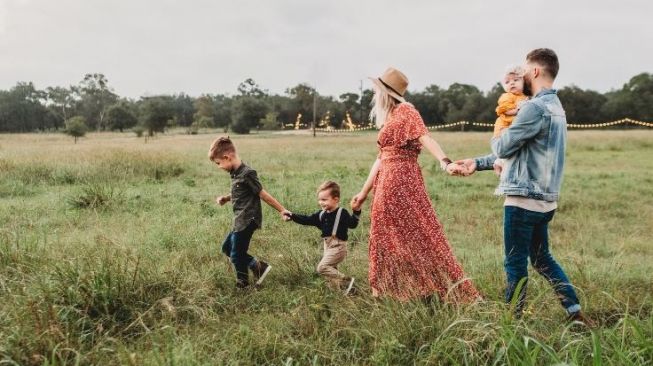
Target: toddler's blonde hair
<point x="516" y="70"/>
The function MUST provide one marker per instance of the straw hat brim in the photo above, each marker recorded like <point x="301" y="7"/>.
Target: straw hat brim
<point x="387" y="90"/>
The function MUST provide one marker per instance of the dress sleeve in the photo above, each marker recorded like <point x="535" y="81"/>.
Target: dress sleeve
<point x="410" y="125"/>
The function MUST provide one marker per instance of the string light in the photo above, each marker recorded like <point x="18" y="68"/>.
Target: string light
<point x="608" y="124"/>
<point x="481" y="124"/>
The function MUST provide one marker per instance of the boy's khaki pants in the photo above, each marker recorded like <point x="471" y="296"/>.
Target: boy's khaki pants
<point x="335" y="251"/>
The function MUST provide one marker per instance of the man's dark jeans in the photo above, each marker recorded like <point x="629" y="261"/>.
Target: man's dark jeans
<point x="526" y="234"/>
<point x="235" y="246"/>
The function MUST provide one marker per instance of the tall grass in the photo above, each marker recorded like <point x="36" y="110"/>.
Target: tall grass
<point x="109" y="254"/>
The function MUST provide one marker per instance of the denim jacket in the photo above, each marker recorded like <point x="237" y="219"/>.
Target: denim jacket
<point x="533" y="148"/>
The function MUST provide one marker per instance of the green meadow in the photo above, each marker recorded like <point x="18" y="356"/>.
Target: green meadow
<point x="110" y="255"/>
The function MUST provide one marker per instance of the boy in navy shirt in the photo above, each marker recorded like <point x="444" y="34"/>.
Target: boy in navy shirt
<point x="334" y="222"/>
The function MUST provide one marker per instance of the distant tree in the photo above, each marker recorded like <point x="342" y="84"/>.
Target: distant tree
<point x="366" y="105"/>
<point x="302" y="96"/>
<point x="183" y="109"/>
<point x="330" y="111"/>
<point x="633" y="100"/>
<point x="155" y="113"/>
<point x="250" y="88"/>
<point x="21" y="109"/>
<point x="271" y="121"/>
<point x="281" y="105"/>
<point x="95" y="96"/>
<point x="349" y="101"/>
<point x="582" y="106"/>
<point x="487" y="112"/>
<point x="461" y="102"/>
<point x="247" y="113"/>
<point x="62" y="99"/>
<point x="428" y="104"/>
<point x="120" y="116"/>
<point x="204" y="111"/>
<point x="222" y="111"/>
<point x="52" y="119"/>
<point x="641" y="91"/>
<point x="76" y="127"/>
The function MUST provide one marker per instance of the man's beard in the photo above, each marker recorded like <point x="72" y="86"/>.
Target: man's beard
<point x="528" y="90"/>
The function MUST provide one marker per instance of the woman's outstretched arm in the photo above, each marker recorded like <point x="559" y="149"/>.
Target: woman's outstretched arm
<point x="445" y="163"/>
<point x="358" y="199"/>
<point x="433" y="147"/>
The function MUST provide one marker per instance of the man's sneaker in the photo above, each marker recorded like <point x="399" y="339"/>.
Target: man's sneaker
<point x="578" y="316"/>
<point x="349" y="281"/>
<point x="260" y="271"/>
<point x="240" y="284"/>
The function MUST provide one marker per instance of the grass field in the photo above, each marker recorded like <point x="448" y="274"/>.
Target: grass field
<point x="109" y="254"/>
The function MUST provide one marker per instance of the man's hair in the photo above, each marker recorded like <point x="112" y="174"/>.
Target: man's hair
<point x="332" y="187"/>
<point x="220" y="147"/>
<point x="546" y="58"/>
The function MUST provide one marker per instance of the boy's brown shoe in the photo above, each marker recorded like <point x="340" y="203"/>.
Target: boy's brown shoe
<point x="260" y="271"/>
<point x="578" y="316"/>
<point x="241" y="284"/>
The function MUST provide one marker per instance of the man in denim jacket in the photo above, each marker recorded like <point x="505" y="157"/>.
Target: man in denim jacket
<point x="534" y="151"/>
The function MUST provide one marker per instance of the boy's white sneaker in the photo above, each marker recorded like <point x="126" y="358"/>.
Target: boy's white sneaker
<point x="350" y="286"/>
<point x="262" y="269"/>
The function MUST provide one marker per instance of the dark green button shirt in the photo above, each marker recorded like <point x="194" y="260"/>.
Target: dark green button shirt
<point x="245" y="188"/>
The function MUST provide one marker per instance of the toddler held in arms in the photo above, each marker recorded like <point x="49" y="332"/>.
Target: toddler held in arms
<point x="509" y="103"/>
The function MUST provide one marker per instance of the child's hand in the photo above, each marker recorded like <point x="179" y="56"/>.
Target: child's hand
<point x="222" y="200"/>
<point x="357" y="201"/>
<point x="498" y="167"/>
<point x="455" y="169"/>
<point x="512" y="112"/>
<point x="286" y="215"/>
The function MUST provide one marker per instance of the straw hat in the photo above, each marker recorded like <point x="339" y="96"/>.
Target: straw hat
<point x="394" y="82"/>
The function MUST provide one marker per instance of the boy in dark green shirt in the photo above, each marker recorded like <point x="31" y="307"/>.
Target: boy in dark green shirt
<point x="246" y="195"/>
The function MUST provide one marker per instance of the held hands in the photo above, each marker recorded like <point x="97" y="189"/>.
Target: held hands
<point x="357" y="201"/>
<point x="462" y="168"/>
<point x="286" y="215"/>
<point x="222" y="200"/>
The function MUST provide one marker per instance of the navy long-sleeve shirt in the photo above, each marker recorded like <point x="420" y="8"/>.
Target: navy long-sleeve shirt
<point x="325" y="224"/>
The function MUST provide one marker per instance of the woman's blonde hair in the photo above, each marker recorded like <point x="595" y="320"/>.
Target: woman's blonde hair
<point x="382" y="104"/>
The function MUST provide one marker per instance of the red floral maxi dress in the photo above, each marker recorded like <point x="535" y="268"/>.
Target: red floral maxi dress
<point x="409" y="253"/>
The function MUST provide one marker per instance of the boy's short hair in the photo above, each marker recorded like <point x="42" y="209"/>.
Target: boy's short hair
<point x="546" y="58"/>
<point x="331" y="186"/>
<point x="220" y="147"/>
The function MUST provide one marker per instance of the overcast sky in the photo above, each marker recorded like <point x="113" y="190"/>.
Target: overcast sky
<point x="147" y="47"/>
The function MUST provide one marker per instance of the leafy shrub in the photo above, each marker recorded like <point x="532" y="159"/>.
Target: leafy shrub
<point x="94" y="196"/>
<point x="138" y="130"/>
<point x="76" y="127"/>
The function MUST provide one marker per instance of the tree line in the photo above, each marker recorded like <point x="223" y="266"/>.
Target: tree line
<point x="93" y="105"/>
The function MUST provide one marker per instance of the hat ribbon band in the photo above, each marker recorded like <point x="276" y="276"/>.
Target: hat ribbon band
<point x="389" y="87"/>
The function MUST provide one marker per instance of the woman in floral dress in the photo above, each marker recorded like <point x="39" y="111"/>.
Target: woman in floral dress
<point x="409" y="254"/>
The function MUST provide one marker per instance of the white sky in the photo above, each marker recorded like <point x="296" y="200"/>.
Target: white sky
<point x="203" y="46"/>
